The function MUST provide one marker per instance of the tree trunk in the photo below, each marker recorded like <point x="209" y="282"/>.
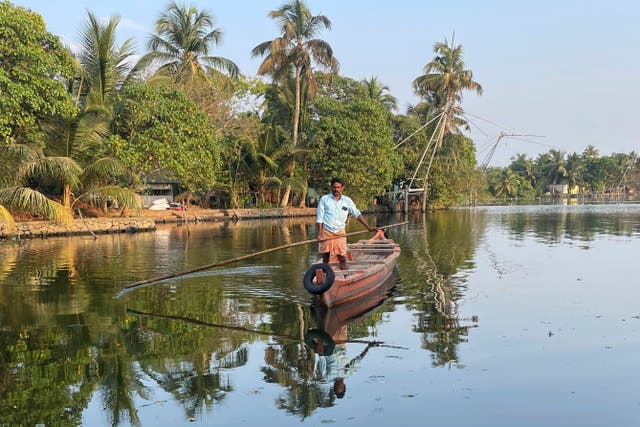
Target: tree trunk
<point x="66" y="196"/>
<point x="296" y="119"/>
<point x="303" y="198"/>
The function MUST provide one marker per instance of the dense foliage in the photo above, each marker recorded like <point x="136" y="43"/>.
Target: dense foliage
<point x="160" y="129"/>
<point x="353" y="139"/>
<point x="582" y="174"/>
<point x="32" y="71"/>
<point x="188" y="116"/>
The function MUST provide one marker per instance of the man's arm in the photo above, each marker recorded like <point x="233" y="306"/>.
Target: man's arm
<point x="362" y="221"/>
<point x="320" y="216"/>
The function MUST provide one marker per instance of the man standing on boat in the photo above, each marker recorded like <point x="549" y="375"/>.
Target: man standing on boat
<point x="331" y="219"/>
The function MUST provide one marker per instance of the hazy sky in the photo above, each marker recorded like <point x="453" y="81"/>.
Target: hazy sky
<point x="567" y="70"/>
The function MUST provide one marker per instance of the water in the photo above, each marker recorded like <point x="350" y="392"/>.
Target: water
<point x="500" y="316"/>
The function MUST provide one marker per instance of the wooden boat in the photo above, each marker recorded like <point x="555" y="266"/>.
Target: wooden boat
<point x="332" y="322"/>
<point x="370" y="263"/>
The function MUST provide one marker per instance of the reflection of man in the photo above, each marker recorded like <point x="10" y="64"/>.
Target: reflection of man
<point x="337" y="367"/>
<point x="331" y="219"/>
<point x="339" y="388"/>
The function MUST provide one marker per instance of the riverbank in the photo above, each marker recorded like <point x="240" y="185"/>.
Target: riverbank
<point x="145" y="220"/>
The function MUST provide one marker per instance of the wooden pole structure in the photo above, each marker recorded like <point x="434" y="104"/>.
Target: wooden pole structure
<point x="240" y="258"/>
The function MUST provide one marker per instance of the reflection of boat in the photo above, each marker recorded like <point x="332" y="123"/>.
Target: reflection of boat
<point x="370" y="263"/>
<point x="332" y="320"/>
<point x="329" y="340"/>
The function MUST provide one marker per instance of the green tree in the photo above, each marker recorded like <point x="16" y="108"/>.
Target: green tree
<point x="32" y="72"/>
<point x="158" y="128"/>
<point x="296" y="49"/>
<point x="33" y="183"/>
<point x="573" y="169"/>
<point x="352" y="138"/>
<point x="553" y="165"/>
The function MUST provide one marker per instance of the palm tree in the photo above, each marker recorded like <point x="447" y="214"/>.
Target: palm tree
<point x="376" y="90"/>
<point x="183" y="42"/>
<point x="296" y="49"/>
<point x="573" y="168"/>
<point x="508" y="183"/>
<point x="106" y="67"/>
<point x="556" y="166"/>
<point x="444" y="79"/>
<point x="590" y="152"/>
<point x="35" y="178"/>
<point x="22" y="168"/>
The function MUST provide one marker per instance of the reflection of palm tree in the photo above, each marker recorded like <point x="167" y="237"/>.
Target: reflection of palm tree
<point x="119" y="382"/>
<point x="436" y="259"/>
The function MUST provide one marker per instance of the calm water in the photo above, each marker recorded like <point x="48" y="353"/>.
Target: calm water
<point x="500" y="316"/>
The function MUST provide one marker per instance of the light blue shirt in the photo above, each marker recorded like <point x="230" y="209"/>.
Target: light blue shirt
<point x="333" y="213"/>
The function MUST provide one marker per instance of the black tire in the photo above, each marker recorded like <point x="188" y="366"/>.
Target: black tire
<point x="318" y="288"/>
<point x="315" y="336"/>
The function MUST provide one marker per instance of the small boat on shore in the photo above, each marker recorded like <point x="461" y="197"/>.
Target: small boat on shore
<point x="370" y="262"/>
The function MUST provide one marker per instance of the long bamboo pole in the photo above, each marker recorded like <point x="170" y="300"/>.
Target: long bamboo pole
<point x="240" y="258"/>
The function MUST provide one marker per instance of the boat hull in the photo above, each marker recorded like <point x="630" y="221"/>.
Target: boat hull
<point x="370" y="263"/>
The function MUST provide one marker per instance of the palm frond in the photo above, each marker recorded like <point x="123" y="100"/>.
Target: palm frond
<point x="273" y="182"/>
<point x="102" y="170"/>
<point x="122" y="196"/>
<point x="62" y="170"/>
<point x="29" y="200"/>
<point x="7" y="218"/>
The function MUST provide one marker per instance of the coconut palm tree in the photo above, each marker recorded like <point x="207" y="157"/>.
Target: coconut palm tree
<point x="445" y="78"/>
<point x="23" y="168"/>
<point x="555" y="168"/>
<point x="296" y="50"/>
<point x="35" y="178"/>
<point x="376" y="90"/>
<point x="106" y="67"/>
<point x="573" y="169"/>
<point x="182" y="45"/>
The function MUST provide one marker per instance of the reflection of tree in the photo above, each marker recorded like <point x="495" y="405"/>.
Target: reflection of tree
<point x="292" y="366"/>
<point x="119" y="382"/>
<point x="64" y="337"/>
<point x="442" y="249"/>
<point x="42" y="377"/>
<point x="576" y="222"/>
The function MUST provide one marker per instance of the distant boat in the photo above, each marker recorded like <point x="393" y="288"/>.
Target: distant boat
<point x="370" y="263"/>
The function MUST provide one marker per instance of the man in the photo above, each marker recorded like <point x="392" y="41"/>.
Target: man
<point x="331" y="219"/>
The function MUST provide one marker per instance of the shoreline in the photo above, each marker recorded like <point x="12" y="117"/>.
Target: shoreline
<point x="147" y="221"/>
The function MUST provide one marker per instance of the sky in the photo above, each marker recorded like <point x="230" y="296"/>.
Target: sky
<point x="566" y="73"/>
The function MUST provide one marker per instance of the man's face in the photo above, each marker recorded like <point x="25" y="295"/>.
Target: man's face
<point x="336" y="189"/>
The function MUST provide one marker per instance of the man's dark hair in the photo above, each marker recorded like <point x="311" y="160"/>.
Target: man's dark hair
<point x="336" y="179"/>
<point x="339" y="388"/>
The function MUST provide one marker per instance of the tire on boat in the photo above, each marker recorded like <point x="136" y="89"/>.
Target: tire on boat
<point x="320" y="342"/>
<point x="318" y="288"/>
